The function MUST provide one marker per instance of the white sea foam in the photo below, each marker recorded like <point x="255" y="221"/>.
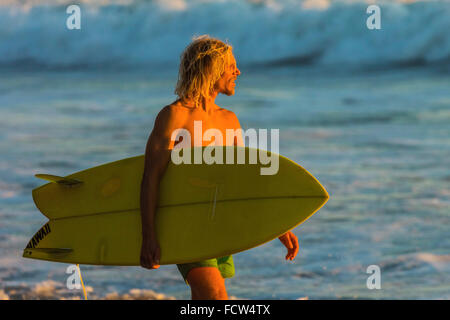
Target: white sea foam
<point x="3" y="295"/>
<point x="53" y="290"/>
<point x="133" y="32"/>
<point x="439" y="262"/>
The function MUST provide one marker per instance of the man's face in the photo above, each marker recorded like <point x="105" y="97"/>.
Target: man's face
<point x="226" y="84"/>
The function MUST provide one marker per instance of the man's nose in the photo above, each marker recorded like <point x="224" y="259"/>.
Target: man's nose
<point x="238" y="72"/>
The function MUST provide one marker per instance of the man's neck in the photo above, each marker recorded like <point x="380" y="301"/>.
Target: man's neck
<point x="208" y="105"/>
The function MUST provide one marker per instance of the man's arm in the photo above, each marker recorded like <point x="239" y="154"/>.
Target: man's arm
<point x="157" y="157"/>
<point x="290" y="241"/>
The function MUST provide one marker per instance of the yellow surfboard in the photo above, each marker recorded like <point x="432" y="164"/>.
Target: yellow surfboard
<point x="204" y="210"/>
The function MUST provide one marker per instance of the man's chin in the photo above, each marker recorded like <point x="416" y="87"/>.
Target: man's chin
<point x="229" y="92"/>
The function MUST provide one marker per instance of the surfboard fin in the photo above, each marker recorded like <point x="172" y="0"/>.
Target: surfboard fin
<point x="28" y="252"/>
<point x="59" y="180"/>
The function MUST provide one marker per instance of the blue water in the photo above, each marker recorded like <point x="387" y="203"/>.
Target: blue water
<point x="369" y="117"/>
<point x="378" y="142"/>
<point x="153" y="32"/>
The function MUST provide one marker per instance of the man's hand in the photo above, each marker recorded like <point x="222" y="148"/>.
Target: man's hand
<point x="150" y="254"/>
<point x="290" y="241"/>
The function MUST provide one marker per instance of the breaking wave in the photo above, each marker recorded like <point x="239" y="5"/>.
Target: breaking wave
<point x="267" y="32"/>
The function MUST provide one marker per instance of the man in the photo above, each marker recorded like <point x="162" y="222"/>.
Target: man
<point x="207" y="68"/>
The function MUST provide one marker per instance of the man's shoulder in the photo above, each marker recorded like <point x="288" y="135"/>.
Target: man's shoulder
<point x="230" y="116"/>
<point x="175" y="106"/>
<point x="227" y="113"/>
<point x="172" y="109"/>
<point x="171" y="115"/>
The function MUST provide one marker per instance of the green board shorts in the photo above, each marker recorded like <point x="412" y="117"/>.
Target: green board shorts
<point x="224" y="264"/>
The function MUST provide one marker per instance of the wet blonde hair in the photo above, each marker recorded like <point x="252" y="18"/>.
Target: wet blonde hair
<point x="202" y="64"/>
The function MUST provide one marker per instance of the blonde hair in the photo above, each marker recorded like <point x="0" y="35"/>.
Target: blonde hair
<point x="202" y="64"/>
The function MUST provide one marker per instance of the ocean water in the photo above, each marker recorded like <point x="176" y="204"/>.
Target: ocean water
<point x="154" y="32"/>
<point x="379" y="144"/>
<point x="373" y="129"/>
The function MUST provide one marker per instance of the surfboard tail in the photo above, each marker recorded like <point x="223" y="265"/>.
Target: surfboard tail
<point x="63" y="182"/>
